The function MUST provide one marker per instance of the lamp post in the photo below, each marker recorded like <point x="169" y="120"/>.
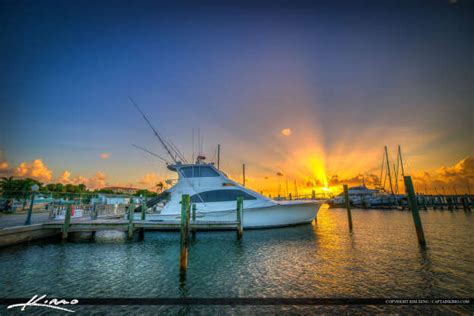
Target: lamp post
<point x="34" y="188"/>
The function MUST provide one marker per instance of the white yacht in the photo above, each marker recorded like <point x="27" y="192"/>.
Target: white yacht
<point x="215" y="196"/>
<point x="357" y="195"/>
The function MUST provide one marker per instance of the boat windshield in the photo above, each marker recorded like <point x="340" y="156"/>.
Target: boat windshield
<point x="198" y="172"/>
<point x="220" y="196"/>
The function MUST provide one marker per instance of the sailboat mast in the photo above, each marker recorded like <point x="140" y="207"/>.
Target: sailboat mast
<point x="381" y="172"/>
<point x="401" y="161"/>
<point x="388" y="170"/>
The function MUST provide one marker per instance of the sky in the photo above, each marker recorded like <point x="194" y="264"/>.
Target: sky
<point x="300" y="91"/>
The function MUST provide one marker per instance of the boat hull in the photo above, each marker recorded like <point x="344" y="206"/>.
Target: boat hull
<point x="279" y="215"/>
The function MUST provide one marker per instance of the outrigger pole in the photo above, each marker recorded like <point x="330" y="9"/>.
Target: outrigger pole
<point x="163" y="142"/>
<point x="151" y="153"/>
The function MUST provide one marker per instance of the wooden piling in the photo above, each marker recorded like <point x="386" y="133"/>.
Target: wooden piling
<point x="183" y="258"/>
<point x="348" y="206"/>
<point x="410" y="191"/>
<point x="239" y="212"/>
<point x="425" y="207"/>
<point x="449" y="201"/>
<point x="30" y="209"/>
<point x="143" y="209"/>
<point x="67" y="222"/>
<point x="313" y="195"/>
<point x="465" y="204"/>
<point x="141" y="231"/>
<point x="130" y="221"/>
<point x="94" y="212"/>
<point x="193" y="218"/>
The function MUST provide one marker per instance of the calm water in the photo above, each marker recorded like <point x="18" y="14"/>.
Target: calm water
<point x="380" y="258"/>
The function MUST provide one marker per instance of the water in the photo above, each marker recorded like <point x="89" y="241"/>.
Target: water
<point x="381" y="258"/>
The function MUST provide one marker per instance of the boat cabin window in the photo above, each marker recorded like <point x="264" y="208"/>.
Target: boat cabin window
<point x="220" y="196"/>
<point x="198" y="172"/>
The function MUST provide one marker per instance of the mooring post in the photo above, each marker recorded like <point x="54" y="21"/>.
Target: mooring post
<point x="313" y="195"/>
<point x="424" y="203"/>
<point x="449" y="200"/>
<point x="67" y="222"/>
<point x="130" y="221"/>
<point x="348" y="205"/>
<point x="141" y="231"/>
<point x="143" y="208"/>
<point x="94" y="211"/>
<point x="183" y="258"/>
<point x="414" y="210"/>
<point x="193" y="217"/>
<point x="30" y="210"/>
<point x="239" y="211"/>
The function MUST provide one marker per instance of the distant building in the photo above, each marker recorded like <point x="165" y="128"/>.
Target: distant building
<point x="113" y="199"/>
<point x="122" y="190"/>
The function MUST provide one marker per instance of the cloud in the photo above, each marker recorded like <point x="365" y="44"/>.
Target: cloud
<point x="463" y="169"/>
<point x="150" y="180"/>
<point x="369" y="180"/>
<point x="97" y="181"/>
<point x="64" y="177"/>
<point x="442" y="179"/>
<point x="286" y="132"/>
<point x="4" y="166"/>
<point x="36" y="170"/>
<point x="459" y="176"/>
<point x="104" y="156"/>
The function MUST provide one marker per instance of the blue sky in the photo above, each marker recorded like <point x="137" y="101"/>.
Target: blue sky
<point x="345" y="77"/>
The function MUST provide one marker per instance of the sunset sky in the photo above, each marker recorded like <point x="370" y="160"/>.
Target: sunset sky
<point x="310" y="90"/>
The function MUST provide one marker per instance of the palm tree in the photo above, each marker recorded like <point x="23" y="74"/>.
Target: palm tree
<point x="159" y="187"/>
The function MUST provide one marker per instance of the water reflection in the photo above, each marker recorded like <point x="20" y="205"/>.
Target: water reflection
<point x="381" y="258"/>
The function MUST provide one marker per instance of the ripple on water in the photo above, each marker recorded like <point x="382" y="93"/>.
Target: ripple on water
<point x="380" y="258"/>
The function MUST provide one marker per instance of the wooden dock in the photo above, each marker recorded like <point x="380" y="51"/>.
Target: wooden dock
<point x="123" y="225"/>
<point x="118" y="222"/>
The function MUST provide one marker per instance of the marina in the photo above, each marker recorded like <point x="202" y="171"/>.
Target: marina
<point x="236" y="157"/>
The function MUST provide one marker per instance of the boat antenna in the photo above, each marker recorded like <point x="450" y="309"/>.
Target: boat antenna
<point x="192" y="159"/>
<point x="151" y="153"/>
<point x="162" y="141"/>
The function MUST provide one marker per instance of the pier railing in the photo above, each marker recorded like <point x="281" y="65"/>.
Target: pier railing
<point x="93" y="211"/>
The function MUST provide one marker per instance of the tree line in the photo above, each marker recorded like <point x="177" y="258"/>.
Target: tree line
<point x="21" y="189"/>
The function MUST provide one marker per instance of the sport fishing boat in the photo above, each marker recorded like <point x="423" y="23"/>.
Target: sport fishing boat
<point x="214" y="196"/>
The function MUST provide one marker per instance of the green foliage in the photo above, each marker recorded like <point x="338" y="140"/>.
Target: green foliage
<point x="20" y="189"/>
<point x="145" y="193"/>
<point x="105" y="191"/>
<point x="17" y="188"/>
